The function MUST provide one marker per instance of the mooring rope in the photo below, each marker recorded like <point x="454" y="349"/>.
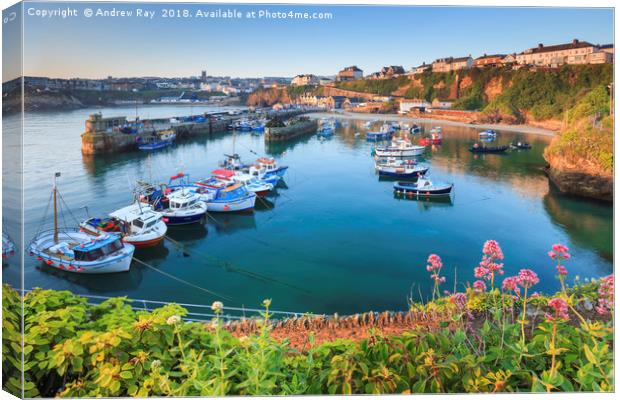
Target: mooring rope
<point x="182" y="280"/>
<point x="228" y="266"/>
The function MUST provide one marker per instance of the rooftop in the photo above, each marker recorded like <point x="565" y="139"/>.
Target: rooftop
<point x="575" y="44"/>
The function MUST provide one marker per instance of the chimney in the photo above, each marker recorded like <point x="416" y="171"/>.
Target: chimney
<point x="575" y="41"/>
<point x="540" y="45"/>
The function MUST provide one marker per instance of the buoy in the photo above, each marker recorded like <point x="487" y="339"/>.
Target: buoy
<point x="226" y="207"/>
<point x="49" y="262"/>
<point x="39" y="258"/>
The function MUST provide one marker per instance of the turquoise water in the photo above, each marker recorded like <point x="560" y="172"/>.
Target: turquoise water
<point x="333" y="238"/>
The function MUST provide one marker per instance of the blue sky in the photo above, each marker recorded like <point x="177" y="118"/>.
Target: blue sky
<point x="368" y="36"/>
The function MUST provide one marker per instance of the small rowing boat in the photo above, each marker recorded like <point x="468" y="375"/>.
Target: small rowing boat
<point x="488" y="133"/>
<point x="476" y="148"/>
<point x="423" y="188"/>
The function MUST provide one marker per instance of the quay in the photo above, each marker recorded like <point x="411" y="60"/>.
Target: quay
<point x="293" y="130"/>
<point x="118" y="134"/>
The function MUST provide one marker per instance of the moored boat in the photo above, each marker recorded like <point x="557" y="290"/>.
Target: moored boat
<point x="423" y="188"/>
<point x="488" y="133"/>
<point x="415" y="129"/>
<point x="521" y="145"/>
<point x="476" y="148"/>
<point x="266" y="167"/>
<point x="252" y="183"/>
<point x="159" y="141"/>
<point x="138" y="225"/>
<point x="222" y="196"/>
<point x="399" y="148"/>
<point x="71" y="250"/>
<point x="402" y="171"/>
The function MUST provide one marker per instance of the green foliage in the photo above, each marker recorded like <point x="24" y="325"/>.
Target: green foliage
<point x="73" y="349"/>
<point x="296" y="91"/>
<point x="383" y="87"/>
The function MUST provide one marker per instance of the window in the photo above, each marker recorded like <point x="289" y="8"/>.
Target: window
<point x="138" y="223"/>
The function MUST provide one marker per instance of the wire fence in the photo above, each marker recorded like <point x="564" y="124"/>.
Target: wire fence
<point x="197" y="312"/>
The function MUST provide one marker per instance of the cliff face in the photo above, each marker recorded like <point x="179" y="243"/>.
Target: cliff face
<point x="268" y="97"/>
<point x="581" y="160"/>
<point x="579" y="180"/>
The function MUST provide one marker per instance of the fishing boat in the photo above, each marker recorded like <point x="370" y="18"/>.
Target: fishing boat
<point x="326" y="130"/>
<point x="476" y="148"/>
<point x="401" y="169"/>
<point x="488" y="133"/>
<point x="252" y="183"/>
<point x="243" y="125"/>
<point x="423" y="188"/>
<point x="521" y="146"/>
<point x="267" y="167"/>
<point x="138" y="225"/>
<point x="399" y="148"/>
<point x="435" y="138"/>
<point x="159" y="141"/>
<point x="223" y="196"/>
<point x="385" y="133"/>
<point x="184" y="207"/>
<point x="71" y="250"/>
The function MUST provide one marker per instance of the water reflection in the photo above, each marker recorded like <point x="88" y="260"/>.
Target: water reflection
<point x="589" y="223"/>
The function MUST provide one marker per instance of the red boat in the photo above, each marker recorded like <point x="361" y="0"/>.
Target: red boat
<point x="429" y="141"/>
<point x="434" y="139"/>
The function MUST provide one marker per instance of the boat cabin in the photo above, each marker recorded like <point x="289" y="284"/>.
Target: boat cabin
<point x="98" y="248"/>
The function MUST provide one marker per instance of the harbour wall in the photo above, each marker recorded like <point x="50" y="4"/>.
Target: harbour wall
<point x="279" y="134"/>
<point x="105" y="142"/>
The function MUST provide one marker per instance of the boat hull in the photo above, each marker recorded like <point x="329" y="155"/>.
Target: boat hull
<point x="172" y="220"/>
<point x="113" y="264"/>
<point x="245" y="204"/>
<point x="399" y="153"/>
<point x="395" y="174"/>
<point x="412" y="190"/>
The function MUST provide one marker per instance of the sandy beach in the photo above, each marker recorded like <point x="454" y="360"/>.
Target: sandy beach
<point x="401" y="118"/>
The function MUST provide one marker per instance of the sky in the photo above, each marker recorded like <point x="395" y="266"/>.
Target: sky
<point x="367" y="36"/>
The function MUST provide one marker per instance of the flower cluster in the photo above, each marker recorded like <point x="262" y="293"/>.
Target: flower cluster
<point x="488" y="267"/>
<point x="559" y="252"/>
<point x="511" y="284"/>
<point x="480" y="286"/>
<point x="560" y="310"/>
<point x="217" y="306"/>
<point x="527" y="278"/>
<point x="434" y="266"/>
<point x="606" y="295"/>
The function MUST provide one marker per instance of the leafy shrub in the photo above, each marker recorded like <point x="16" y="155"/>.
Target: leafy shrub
<point x="73" y="349"/>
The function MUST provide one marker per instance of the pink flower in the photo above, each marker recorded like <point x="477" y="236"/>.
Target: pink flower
<point x="527" y="278"/>
<point x="481" y="272"/>
<point x="492" y="250"/>
<point x="480" y="286"/>
<point x="606" y="295"/>
<point x="560" y="309"/>
<point x="511" y="284"/>
<point x="562" y="270"/>
<point x="434" y="262"/>
<point x="560" y="252"/>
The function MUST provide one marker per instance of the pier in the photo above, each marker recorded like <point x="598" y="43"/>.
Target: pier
<point x="118" y="134"/>
<point x="279" y="134"/>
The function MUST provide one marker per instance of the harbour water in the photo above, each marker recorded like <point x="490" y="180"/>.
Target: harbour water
<point x="333" y="238"/>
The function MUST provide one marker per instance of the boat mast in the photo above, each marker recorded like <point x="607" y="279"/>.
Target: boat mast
<point x="55" y="190"/>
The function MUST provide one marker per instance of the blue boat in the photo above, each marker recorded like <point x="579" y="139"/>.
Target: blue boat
<point x="423" y="188"/>
<point x="163" y="139"/>
<point x="266" y="168"/>
<point x="489" y="133"/>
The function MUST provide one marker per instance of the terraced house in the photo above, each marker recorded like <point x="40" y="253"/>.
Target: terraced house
<point x="452" y="64"/>
<point x="575" y="52"/>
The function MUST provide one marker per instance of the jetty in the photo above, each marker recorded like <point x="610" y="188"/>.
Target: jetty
<point x="109" y="135"/>
<point x="292" y="130"/>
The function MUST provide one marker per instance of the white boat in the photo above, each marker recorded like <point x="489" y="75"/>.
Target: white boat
<point x="184" y="207"/>
<point x="252" y="183"/>
<point x="138" y="224"/>
<point x="222" y="196"/>
<point x="399" y="148"/>
<point x="436" y="129"/>
<point x="489" y="133"/>
<point x="71" y="250"/>
<point x="8" y="247"/>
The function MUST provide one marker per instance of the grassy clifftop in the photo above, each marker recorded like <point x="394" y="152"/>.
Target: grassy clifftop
<point x="540" y="94"/>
